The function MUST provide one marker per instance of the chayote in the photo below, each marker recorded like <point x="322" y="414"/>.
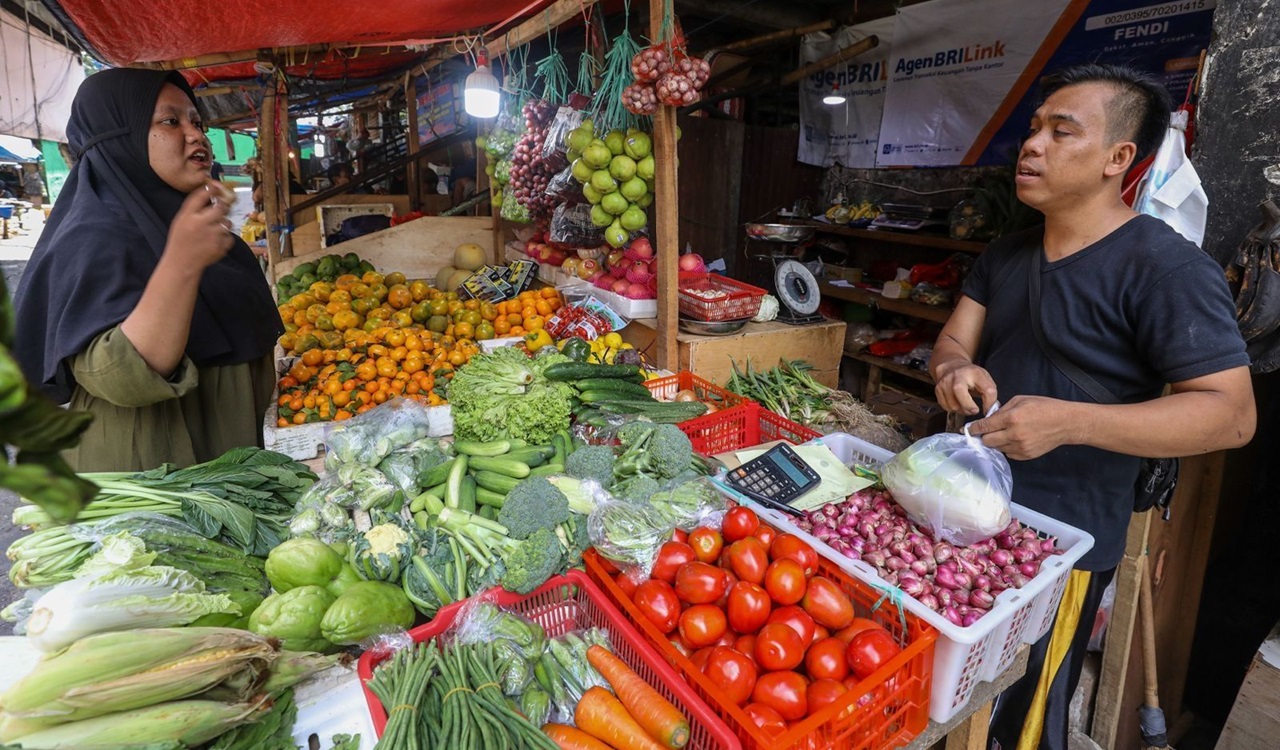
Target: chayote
<point x="307" y="561"/>
<point x="364" y="610"/>
<point x="295" y="618"/>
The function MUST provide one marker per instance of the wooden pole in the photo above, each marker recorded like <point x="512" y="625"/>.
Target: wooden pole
<point x="286" y="163"/>
<point x="775" y="37"/>
<point x="666" y="207"/>
<point x="269" y="145"/>
<point x="413" y="175"/>
<point x="536" y="27"/>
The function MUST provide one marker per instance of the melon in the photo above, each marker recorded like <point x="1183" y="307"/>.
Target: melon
<point x="442" y="278"/>
<point x="457" y="278"/>
<point x="469" y="256"/>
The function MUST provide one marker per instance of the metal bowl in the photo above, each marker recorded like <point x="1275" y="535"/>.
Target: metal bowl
<point x="715" y="328"/>
<point x="780" y="232"/>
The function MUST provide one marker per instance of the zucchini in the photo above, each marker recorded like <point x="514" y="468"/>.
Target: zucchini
<point x="547" y="470"/>
<point x="467" y="495"/>
<point x="472" y="448"/>
<point x="502" y="465"/>
<point x="615" y="385"/>
<point x="495" y="482"/>
<point x="453" y="488"/>
<point x="568" y="371"/>
<point x="437" y="474"/>
<point x="487" y="497"/>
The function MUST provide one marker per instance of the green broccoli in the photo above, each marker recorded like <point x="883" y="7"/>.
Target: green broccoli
<point x="636" y="489"/>
<point x="635" y="432"/>
<point x="664" y="452"/>
<point x="574" y="538"/>
<point x="591" y="462"/>
<point x="532" y="562"/>
<point x="531" y="505"/>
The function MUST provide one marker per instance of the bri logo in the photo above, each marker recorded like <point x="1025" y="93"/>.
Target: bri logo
<point x="948" y="57"/>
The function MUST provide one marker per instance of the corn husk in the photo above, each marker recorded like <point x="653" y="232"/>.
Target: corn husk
<point x="189" y="722"/>
<point x="121" y="671"/>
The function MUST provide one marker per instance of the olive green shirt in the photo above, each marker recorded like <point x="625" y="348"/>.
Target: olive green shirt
<point x="141" y="419"/>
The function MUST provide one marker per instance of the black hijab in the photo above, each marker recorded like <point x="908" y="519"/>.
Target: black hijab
<point x="105" y="236"/>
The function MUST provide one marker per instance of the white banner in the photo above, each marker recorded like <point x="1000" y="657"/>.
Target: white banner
<point x="846" y="133"/>
<point x="953" y="65"/>
<point x="40" y="79"/>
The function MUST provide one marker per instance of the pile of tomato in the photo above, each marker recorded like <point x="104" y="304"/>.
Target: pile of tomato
<point x="746" y="605"/>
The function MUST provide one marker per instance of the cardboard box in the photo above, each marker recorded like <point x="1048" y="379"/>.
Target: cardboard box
<point x="921" y="416"/>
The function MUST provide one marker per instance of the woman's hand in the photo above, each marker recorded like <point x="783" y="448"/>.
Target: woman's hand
<point x="200" y="234"/>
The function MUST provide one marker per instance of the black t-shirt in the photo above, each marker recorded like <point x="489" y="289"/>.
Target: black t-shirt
<point x="1140" y="308"/>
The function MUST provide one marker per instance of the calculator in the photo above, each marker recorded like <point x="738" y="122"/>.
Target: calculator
<point x="774" y="479"/>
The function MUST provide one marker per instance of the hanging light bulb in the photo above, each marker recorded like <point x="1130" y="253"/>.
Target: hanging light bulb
<point x="835" y="97"/>
<point x="480" y="94"/>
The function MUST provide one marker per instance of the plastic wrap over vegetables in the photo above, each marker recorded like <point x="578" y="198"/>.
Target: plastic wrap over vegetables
<point x="952" y="485"/>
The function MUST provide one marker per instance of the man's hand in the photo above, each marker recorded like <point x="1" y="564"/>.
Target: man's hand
<point x="957" y="385"/>
<point x="1028" y="426"/>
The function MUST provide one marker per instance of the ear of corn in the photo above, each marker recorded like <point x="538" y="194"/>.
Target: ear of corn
<point x="113" y="672"/>
<point x="189" y="722"/>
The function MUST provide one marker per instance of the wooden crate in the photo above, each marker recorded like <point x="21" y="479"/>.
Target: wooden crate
<point x="712" y="357"/>
<point x="418" y="249"/>
<point x="1254" y="722"/>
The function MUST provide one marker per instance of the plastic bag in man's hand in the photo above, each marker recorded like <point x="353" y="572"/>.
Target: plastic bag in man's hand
<point x="953" y="485"/>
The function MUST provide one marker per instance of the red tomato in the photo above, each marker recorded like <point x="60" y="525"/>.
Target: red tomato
<point x="678" y="645"/>
<point x="607" y="564"/>
<point x="671" y="556"/>
<point x="822" y="693"/>
<point x="699" y="658"/>
<point x="820" y="632"/>
<point x="825" y="660"/>
<point x="680" y="535"/>
<point x="748" y="559"/>
<point x="784" y="580"/>
<point x="851" y="682"/>
<point x="700" y="583"/>
<point x="768" y="720"/>
<point x="728" y="639"/>
<point x="730" y="581"/>
<point x="827" y="603"/>
<point x="858" y="625"/>
<point x="739" y="523"/>
<point x="778" y="646"/>
<point x="792" y="547"/>
<point x="797" y="619"/>
<point x="659" y="603"/>
<point x="749" y="607"/>
<point x="746" y="645"/>
<point x="732" y="672"/>
<point x="627" y="584"/>
<point x="870" y="650"/>
<point x="784" y="692"/>
<point x="707" y="544"/>
<point x="702" y="625"/>
<point x="765" y="534"/>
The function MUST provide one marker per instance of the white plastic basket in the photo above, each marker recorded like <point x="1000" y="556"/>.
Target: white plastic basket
<point x="980" y="652"/>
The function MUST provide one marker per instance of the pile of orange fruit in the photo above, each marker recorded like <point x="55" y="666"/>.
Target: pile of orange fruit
<point x="361" y="341"/>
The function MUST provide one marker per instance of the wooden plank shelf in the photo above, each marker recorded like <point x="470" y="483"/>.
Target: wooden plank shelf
<point x="902" y="306"/>
<point x="891" y="366"/>
<point x="938" y="242"/>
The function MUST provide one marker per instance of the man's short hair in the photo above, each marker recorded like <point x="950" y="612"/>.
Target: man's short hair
<point x="1139" y="111"/>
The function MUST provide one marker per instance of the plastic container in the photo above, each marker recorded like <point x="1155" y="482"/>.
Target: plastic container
<point x="980" y="652"/>
<point x="742" y="427"/>
<point x="886" y="710"/>
<point x="741" y="300"/>
<point x="665" y="389"/>
<point x="571" y="602"/>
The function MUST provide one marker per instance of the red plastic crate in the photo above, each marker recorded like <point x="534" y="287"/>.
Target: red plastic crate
<point x="886" y="710"/>
<point x="665" y="389"/>
<point x="742" y="427"/>
<point x="563" y="604"/>
<point x="742" y="301"/>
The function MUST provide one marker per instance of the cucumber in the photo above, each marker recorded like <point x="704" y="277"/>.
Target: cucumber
<point x="495" y="482"/>
<point x="517" y="443"/>
<point x="567" y="371"/>
<point x="502" y="465"/>
<point x="621" y="387"/>
<point x="596" y="397"/>
<point x="453" y="488"/>
<point x="486" y="497"/>
<point x="437" y="489"/>
<point x="563" y="447"/>
<point x="534" y="455"/>
<point x="488" y="512"/>
<point x="472" y="448"/>
<point x="437" y="474"/>
<point x="467" y="495"/>
<point x="547" y="470"/>
<point x="660" y="412"/>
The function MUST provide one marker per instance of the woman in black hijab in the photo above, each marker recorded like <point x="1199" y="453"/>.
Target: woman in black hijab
<point x="139" y="304"/>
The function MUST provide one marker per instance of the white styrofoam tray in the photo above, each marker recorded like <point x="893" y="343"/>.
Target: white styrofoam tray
<point x="965" y="656"/>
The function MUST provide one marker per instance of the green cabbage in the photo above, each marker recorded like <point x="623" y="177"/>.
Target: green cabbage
<point x="952" y="485"/>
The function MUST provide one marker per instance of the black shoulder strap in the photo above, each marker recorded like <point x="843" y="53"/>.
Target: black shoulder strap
<point x="1082" y="379"/>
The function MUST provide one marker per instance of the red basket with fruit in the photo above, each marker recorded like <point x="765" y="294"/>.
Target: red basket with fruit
<point x="712" y="297"/>
<point x="788" y="649"/>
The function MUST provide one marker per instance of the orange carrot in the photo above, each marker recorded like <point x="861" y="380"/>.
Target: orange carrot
<point x="571" y="738"/>
<point x="602" y="716"/>
<point x="660" y="719"/>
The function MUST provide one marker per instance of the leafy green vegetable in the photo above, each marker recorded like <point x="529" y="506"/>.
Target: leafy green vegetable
<point x="504" y="394"/>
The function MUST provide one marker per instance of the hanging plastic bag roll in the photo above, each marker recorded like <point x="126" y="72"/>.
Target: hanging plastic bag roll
<point x="953" y="485"/>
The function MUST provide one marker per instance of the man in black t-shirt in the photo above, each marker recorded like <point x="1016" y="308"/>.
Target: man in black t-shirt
<point x="1128" y="301"/>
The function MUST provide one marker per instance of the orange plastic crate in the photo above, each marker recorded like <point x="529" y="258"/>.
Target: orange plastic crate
<point x="742" y="300"/>
<point x="573" y="602"/>
<point x="665" y="389"/>
<point x="742" y="427"/>
<point x="886" y="710"/>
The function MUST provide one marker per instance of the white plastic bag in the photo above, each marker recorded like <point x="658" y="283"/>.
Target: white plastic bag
<point x="952" y="485"/>
<point x="1171" y="189"/>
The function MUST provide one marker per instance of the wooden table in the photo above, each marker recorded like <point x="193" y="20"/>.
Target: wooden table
<point x="968" y="729"/>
